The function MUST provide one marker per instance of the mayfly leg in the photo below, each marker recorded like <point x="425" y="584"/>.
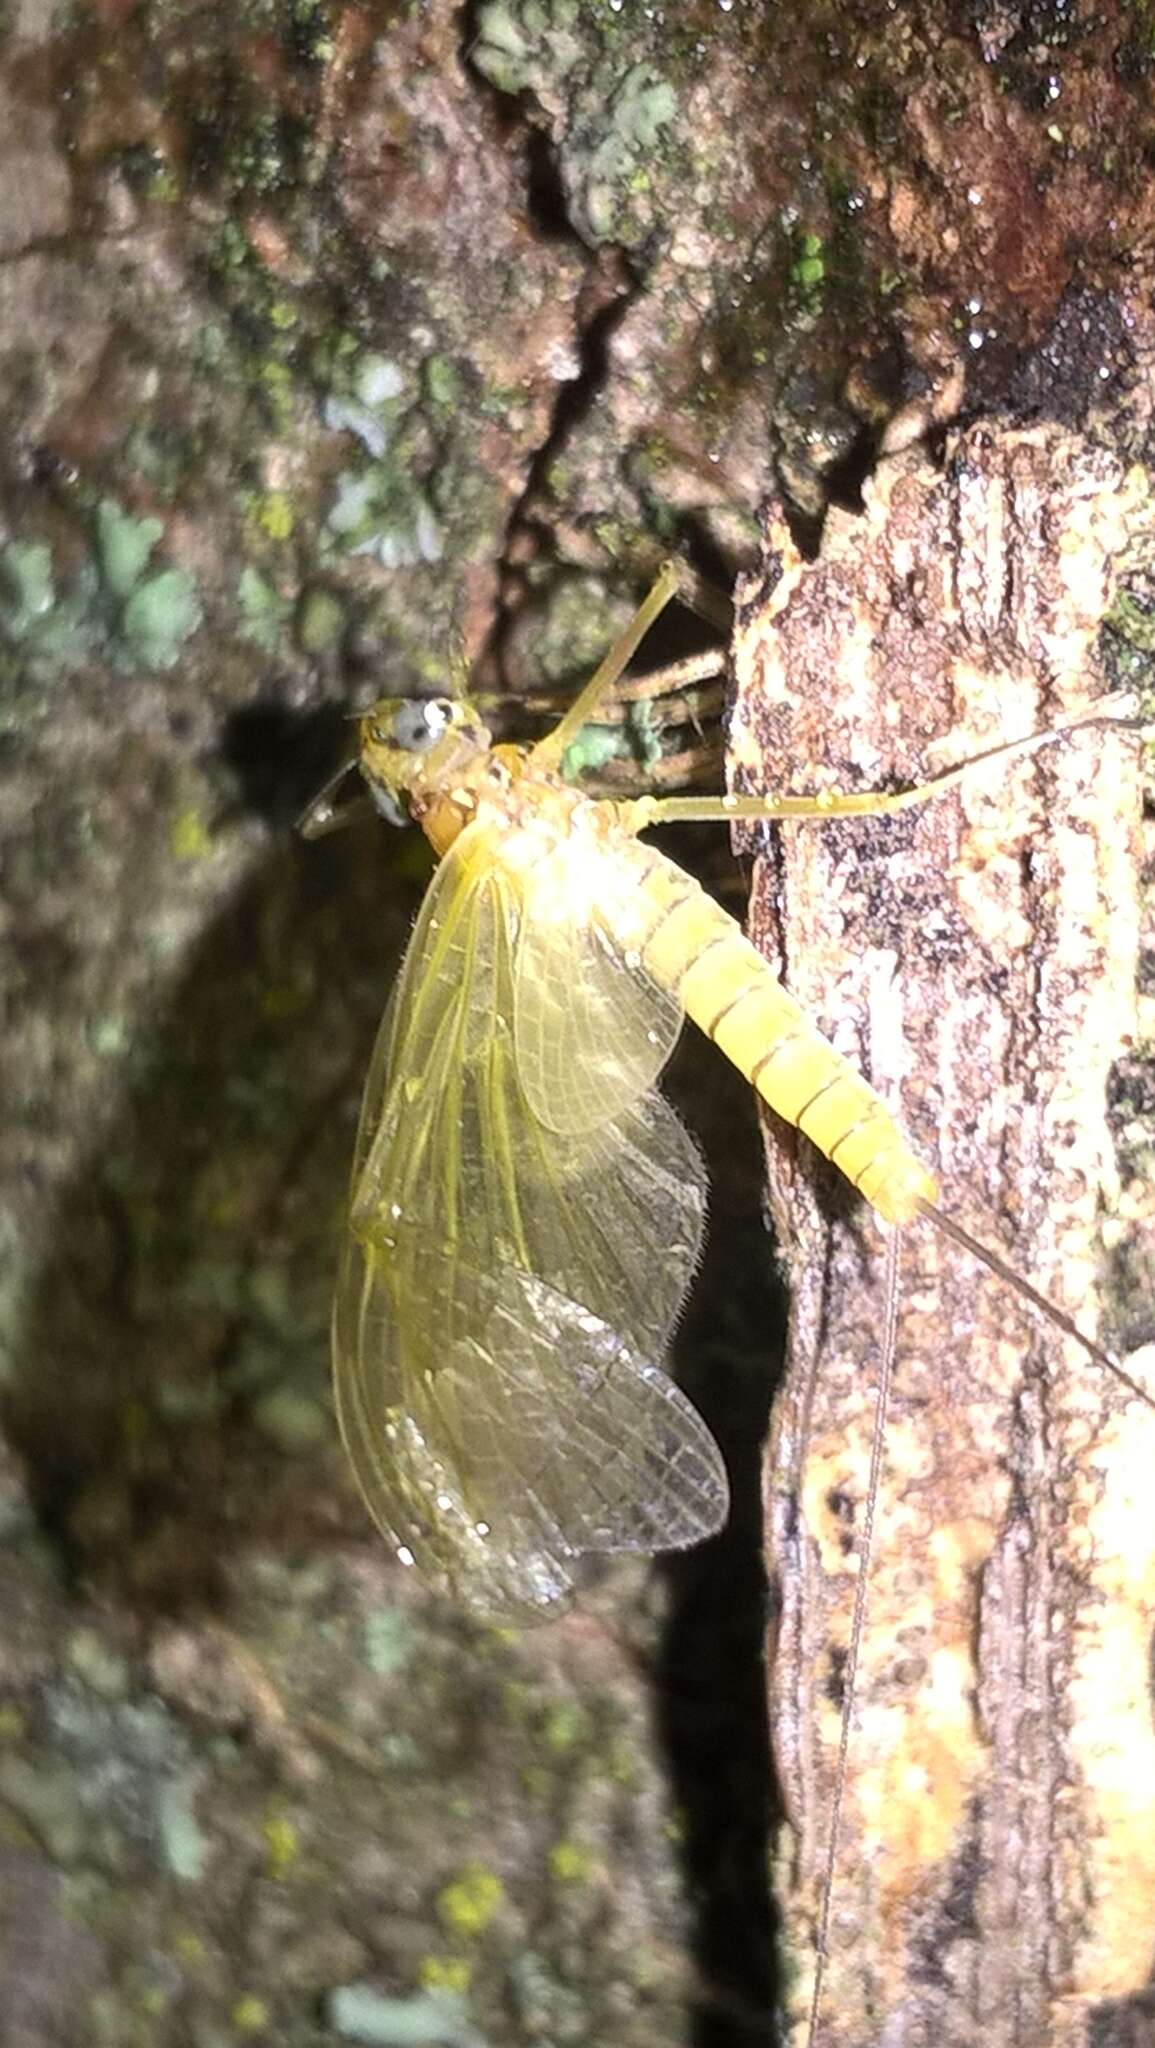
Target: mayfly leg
<point x="673" y="580"/>
<point x="324" y="813"/>
<point x="872" y="803"/>
<point x="548" y="752"/>
<point x="865" y="1549"/>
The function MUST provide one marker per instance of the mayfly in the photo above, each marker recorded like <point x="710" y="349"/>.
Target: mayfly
<point x="526" y="1209"/>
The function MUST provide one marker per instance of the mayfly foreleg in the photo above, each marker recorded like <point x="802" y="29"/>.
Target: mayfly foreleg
<point x="548" y="752"/>
<point x="645" y="811"/>
<point x="674" y="579"/>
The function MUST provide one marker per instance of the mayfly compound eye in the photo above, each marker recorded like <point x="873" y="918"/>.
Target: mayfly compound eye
<point x="419" y="723"/>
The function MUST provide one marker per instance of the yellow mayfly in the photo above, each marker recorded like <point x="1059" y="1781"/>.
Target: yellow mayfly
<point x="526" y="1209"/>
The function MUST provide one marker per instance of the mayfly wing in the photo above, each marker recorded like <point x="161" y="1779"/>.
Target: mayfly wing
<point x="454" y="1125"/>
<point x="526" y="1432"/>
<point x="506" y="1290"/>
<point x="595" y="1040"/>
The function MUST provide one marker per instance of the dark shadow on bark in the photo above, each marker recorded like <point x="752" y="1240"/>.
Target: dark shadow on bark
<point x="711" y="1684"/>
<point x="177" y="1332"/>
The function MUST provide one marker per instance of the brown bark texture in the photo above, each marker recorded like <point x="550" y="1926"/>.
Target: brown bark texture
<point x="995" y="1871"/>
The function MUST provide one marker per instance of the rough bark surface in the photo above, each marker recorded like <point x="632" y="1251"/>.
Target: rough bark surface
<point x="996" y="1863"/>
<point x="336" y="335"/>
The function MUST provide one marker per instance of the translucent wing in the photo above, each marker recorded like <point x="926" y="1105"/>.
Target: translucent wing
<point x="593" y="1029"/>
<point x="530" y="1435"/>
<point x="506" y="1289"/>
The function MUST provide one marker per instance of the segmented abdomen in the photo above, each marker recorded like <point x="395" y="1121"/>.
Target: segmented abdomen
<point x="693" y="946"/>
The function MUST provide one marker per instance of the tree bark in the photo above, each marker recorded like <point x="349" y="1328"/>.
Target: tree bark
<point x="995" y="1870"/>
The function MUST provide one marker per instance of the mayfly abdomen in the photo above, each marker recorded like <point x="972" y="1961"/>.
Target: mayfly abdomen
<point x="693" y="946"/>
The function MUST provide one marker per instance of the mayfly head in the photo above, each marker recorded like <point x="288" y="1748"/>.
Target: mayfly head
<point x="413" y="747"/>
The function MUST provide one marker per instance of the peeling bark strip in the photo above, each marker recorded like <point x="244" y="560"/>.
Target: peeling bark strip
<point x="996" y="1870"/>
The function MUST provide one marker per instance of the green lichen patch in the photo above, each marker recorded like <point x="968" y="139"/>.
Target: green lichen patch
<point x="47" y="630"/>
<point x="528" y="48"/>
<point x="382" y="504"/>
<point x="158" y="616"/>
<point x="612" y="175"/>
<point x="263" y="611"/>
<point x="467" y="1906"/>
<point x="122" y="547"/>
<point x="808" y="270"/>
<point x="389" y="1641"/>
<point x="117" y="605"/>
<point x="184" y="1845"/>
<point x="430" y="2019"/>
